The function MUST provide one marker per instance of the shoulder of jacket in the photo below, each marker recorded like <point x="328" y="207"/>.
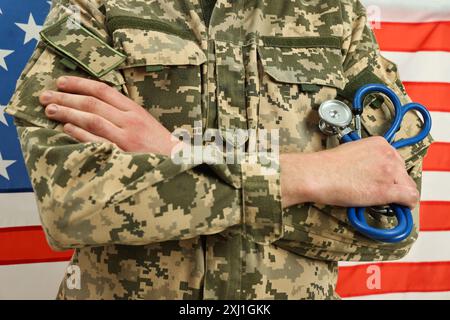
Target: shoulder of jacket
<point x="352" y="8"/>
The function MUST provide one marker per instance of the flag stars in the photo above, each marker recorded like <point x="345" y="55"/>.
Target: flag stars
<point x="3" y="55"/>
<point x="31" y="29"/>
<point x="4" y="164"/>
<point x="2" y="115"/>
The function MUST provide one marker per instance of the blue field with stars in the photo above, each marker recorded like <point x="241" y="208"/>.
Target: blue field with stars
<point x="20" y="21"/>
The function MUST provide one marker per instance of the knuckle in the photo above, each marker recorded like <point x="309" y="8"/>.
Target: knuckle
<point x="90" y="104"/>
<point x="380" y="146"/>
<point x="388" y="153"/>
<point x="59" y="97"/>
<point x="386" y="167"/>
<point x="415" y="195"/>
<point x="93" y="124"/>
<point x="379" y="142"/>
<point x="102" y="89"/>
<point x="133" y="121"/>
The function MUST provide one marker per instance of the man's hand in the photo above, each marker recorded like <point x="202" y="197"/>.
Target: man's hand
<point x="362" y="173"/>
<point x="92" y="111"/>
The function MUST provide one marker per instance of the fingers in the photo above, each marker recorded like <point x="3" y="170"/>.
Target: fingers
<point x="92" y="123"/>
<point x="83" y="103"/>
<point x="81" y="134"/>
<point x="403" y="195"/>
<point x="96" y="89"/>
<point x="404" y="179"/>
<point x="404" y="190"/>
<point x="399" y="173"/>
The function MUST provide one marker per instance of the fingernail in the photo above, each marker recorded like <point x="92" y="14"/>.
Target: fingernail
<point x="61" y="81"/>
<point x="68" y="127"/>
<point x="51" y="109"/>
<point x="46" y="96"/>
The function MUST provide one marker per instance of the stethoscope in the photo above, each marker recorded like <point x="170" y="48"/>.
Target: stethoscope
<point x="336" y="118"/>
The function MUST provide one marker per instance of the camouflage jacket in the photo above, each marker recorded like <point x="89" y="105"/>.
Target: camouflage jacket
<point x="144" y="227"/>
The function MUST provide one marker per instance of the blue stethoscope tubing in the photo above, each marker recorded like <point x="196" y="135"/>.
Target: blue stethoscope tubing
<point x="403" y="214"/>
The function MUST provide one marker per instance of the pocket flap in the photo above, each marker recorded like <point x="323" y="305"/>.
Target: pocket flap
<point x="80" y="47"/>
<point x="150" y="47"/>
<point x="303" y="60"/>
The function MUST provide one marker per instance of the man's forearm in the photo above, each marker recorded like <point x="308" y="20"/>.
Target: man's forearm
<point x="363" y="173"/>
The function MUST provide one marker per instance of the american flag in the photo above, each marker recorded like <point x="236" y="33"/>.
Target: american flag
<point x="413" y="33"/>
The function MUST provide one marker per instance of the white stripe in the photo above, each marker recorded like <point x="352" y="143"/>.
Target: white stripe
<point x="428" y="247"/>
<point x="435" y="186"/>
<point x="18" y="209"/>
<point x="443" y="295"/>
<point x="408" y="10"/>
<point x="423" y="66"/>
<point x="441" y="126"/>
<point x="31" y="281"/>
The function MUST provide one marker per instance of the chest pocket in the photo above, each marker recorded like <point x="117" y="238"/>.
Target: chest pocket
<point x="163" y="74"/>
<point x="323" y="232"/>
<point x="296" y="75"/>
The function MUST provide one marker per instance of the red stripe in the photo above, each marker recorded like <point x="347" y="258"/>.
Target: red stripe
<point x="435" y="96"/>
<point x="411" y="37"/>
<point x="27" y="245"/>
<point x="438" y="157"/>
<point x="435" y="216"/>
<point x="395" y="277"/>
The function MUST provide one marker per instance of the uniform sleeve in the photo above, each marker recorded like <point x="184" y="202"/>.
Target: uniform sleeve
<point x="91" y="194"/>
<point x="323" y="232"/>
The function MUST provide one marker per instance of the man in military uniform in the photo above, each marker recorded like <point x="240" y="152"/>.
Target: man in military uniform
<point x="95" y="108"/>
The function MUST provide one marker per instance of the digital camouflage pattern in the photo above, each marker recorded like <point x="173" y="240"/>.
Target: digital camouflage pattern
<point x="84" y="48"/>
<point x="146" y="228"/>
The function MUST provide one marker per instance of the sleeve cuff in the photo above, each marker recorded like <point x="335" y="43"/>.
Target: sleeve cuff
<point x="261" y="192"/>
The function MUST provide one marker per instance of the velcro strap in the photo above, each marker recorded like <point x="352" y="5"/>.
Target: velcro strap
<point x="79" y="45"/>
<point x="364" y="77"/>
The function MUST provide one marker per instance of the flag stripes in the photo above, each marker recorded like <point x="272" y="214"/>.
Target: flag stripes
<point x="27" y="245"/>
<point x="438" y="157"/>
<point x="394" y="277"/>
<point x="434" y="95"/>
<point x="434" y="216"/>
<point x="414" y="34"/>
<point x="435" y="186"/>
<point x="441" y="124"/>
<point x="18" y="209"/>
<point x="431" y="36"/>
<point x="408" y="11"/>
<point x="422" y="66"/>
<point x="31" y="281"/>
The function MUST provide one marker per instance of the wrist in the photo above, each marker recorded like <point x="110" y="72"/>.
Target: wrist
<point x="296" y="185"/>
<point x="307" y="177"/>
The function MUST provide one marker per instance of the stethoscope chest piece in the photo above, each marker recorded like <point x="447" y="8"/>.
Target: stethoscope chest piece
<point x="334" y="115"/>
